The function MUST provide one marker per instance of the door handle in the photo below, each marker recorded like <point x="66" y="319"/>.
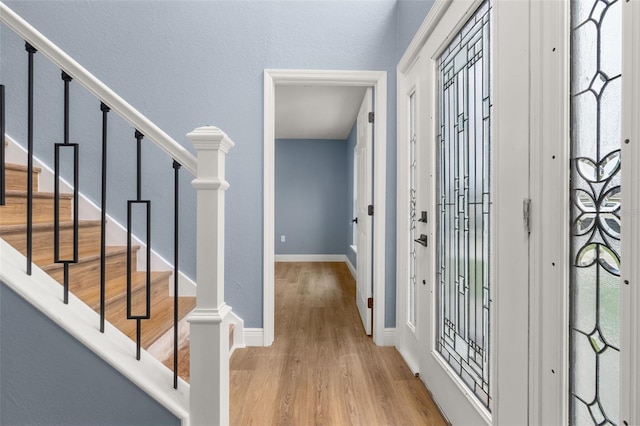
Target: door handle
<point x="422" y="240"/>
<point x="355" y="220"/>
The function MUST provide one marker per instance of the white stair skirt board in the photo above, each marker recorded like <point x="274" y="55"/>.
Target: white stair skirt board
<point x="82" y="322"/>
<point x="310" y="257"/>
<point x="116" y="233"/>
<point x="238" y="332"/>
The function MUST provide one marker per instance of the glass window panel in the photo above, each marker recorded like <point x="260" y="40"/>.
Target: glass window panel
<point x="595" y="211"/>
<point x="412" y="210"/>
<point x="464" y="205"/>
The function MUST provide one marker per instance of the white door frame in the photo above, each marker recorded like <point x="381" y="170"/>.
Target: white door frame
<point x="377" y="80"/>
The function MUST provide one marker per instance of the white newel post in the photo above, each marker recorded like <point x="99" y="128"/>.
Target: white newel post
<point x="209" y="334"/>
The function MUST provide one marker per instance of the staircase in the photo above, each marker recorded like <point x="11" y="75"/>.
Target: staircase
<point x="212" y="324"/>
<point x="84" y="277"/>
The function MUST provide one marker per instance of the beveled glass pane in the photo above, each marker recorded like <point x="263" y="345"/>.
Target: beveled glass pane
<point x="583" y="316"/>
<point x="611" y="55"/>
<point x="596" y="200"/>
<point x="584" y="359"/>
<point x="609" y="373"/>
<point x="609" y="318"/>
<point x="610" y="116"/>
<point x="464" y="203"/>
<point x="584" y="124"/>
<point x="585" y="38"/>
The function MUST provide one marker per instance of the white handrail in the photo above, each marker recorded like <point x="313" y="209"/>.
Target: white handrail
<point x="98" y="88"/>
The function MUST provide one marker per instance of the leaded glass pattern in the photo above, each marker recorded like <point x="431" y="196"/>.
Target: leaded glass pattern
<point x="463" y="245"/>
<point x="596" y="65"/>
<point x="412" y="210"/>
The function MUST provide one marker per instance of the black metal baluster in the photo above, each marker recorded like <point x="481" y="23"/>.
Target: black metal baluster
<point x="2" y="142"/>
<point x="31" y="51"/>
<point x="103" y="235"/>
<point x="56" y="200"/>
<point x="147" y="205"/>
<point x="176" y="167"/>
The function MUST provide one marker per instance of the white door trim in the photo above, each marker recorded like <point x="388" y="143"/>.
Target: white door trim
<point x="549" y="262"/>
<point x="630" y="271"/>
<point x="377" y="80"/>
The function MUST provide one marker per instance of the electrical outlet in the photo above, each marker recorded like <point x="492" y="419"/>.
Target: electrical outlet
<point x="282" y="238"/>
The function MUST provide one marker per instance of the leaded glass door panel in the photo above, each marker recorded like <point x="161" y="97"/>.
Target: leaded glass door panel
<point x="475" y="266"/>
<point x="596" y="199"/>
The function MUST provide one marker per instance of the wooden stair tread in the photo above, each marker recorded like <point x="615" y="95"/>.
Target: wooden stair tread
<point x="22" y="228"/>
<point x="37" y="194"/>
<point x="43" y="239"/>
<point x="111" y="251"/>
<point x="183" y="356"/>
<point x="183" y="361"/>
<point x="85" y="281"/>
<point x="21" y="168"/>
<point x="115" y="289"/>
<point x="161" y="317"/>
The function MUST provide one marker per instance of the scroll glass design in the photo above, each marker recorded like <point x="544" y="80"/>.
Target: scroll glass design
<point x="412" y="210"/>
<point x="596" y="65"/>
<point x="464" y="200"/>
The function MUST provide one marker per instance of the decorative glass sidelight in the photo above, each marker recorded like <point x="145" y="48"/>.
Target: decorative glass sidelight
<point x="412" y="211"/>
<point x="463" y="234"/>
<point x="596" y="65"/>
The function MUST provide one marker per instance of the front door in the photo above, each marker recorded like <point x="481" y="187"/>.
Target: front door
<point x="464" y="323"/>
<point x="364" y="197"/>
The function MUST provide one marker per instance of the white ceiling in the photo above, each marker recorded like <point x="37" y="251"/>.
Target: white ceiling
<point x="316" y="112"/>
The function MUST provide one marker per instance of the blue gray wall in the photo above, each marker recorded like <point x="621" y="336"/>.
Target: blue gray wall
<point x="311" y="196"/>
<point x="48" y="378"/>
<point x="352" y="140"/>
<point x="189" y="63"/>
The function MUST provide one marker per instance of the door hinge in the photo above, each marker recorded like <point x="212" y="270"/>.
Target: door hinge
<point x="526" y="214"/>
<point x="370" y="209"/>
<point x="370" y="303"/>
<point x="372" y="117"/>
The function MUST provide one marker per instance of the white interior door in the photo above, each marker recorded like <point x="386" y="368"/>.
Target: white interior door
<point x="364" y="147"/>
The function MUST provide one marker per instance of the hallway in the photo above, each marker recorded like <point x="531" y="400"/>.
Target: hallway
<point x="322" y="369"/>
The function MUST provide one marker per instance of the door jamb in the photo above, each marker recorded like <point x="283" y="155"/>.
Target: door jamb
<point x="377" y="80"/>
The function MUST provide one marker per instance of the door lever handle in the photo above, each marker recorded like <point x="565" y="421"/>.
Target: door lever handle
<point x="355" y="220"/>
<point x="422" y="240"/>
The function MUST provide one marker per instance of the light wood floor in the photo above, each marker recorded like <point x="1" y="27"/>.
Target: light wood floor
<point x="322" y="369"/>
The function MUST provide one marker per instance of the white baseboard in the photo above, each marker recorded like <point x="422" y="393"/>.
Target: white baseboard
<point x="389" y="336"/>
<point x="116" y="234"/>
<point x="409" y="360"/>
<point x="310" y="257"/>
<point x="253" y="337"/>
<point x="352" y="268"/>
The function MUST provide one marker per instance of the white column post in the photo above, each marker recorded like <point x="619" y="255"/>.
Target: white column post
<point x="209" y="334"/>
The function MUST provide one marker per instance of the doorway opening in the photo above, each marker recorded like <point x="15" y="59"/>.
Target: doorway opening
<point x="377" y="81"/>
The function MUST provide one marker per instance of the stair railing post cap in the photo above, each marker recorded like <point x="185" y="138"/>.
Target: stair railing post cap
<point x="210" y="137"/>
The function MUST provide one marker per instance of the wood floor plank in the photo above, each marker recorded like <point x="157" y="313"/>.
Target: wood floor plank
<point x="322" y="369"/>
